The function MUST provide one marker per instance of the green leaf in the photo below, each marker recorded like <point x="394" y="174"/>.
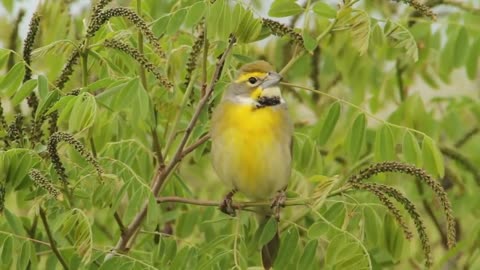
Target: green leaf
<point x="324" y="10"/>
<point x="336" y="214"/>
<point x="329" y="123"/>
<point x="377" y="36"/>
<point x="429" y="78"/>
<point x="83" y="113"/>
<point x="76" y="225"/>
<point x="160" y="25"/>
<point x="288" y="245"/>
<point x="4" y="56"/>
<point x="394" y="237"/>
<point x="384" y="144"/>
<point x="461" y="47"/>
<point x="309" y="42"/>
<point x="24" y="258"/>
<point x="356" y="137"/>
<point x="432" y="157"/>
<point x="46" y="103"/>
<point x="181" y="259"/>
<point x="7" y="251"/>
<point x="358" y="22"/>
<point x="33" y="262"/>
<point x="249" y="27"/>
<point x="130" y="97"/>
<point x="361" y="31"/>
<point x="284" y="8"/>
<point x="8" y="4"/>
<point x="195" y="13"/>
<point x="24" y="91"/>
<point x="373" y="222"/>
<point x="400" y="37"/>
<point x="472" y="59"/>
<point x="42" y="86"/>
<point x="65" y="103"/>
<point x="411" y="150"/>
<point x="309" y="160"/>
<point x="220" y="19"/>
<point x="112" y="264"/>
<point x="12" y="80"/>
<point x="170" y="248"/>
<point x="14" y="222"/>
<point x="345" y="253"/>
<point x="268" y="231"/>
<point x="447" y="59"/>
<point x="176" y="21"/>
<point x="153" y="212"/>
<point x="308" y="257"/>
<point x="318" y="229"/>
<point x="18" y="163"/>
<point x="186" y="223"/>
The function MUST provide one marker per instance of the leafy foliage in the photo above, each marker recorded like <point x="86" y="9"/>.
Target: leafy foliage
<point x="104" y="119"/>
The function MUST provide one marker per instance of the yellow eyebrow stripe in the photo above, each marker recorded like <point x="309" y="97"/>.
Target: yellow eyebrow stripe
<point x="245" y="76"/>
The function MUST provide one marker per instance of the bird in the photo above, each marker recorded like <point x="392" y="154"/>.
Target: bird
<point x="251" y="134"/>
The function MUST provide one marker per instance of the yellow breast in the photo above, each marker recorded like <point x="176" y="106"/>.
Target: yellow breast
<point x="250" y="148"/>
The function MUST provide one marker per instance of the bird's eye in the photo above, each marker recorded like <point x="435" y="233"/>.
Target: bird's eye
<point x="252" y="80"/>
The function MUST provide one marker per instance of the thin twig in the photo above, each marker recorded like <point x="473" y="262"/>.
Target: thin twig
<point x="53" y="246"/>
<point x="467" y="137"/>
<point x="399" y="74"/>
<point x="194" y="145"/>
<point x="156" y="144"/>
<point x="119" y="221"/>
<point x="431" y="213"/>
<point x="302" y="52"/>
<point x="462" y="161"/>
<point x="239" y="205"/>
<point x="13" y="42"/>
<point x="348" y="103"/>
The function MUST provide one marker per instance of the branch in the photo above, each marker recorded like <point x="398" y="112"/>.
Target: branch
<point x="463" y="161"/>
<point x="244" y="205"/>
<point x="467" y="137"/>
<point x="194" y="145"/>
<point x="51" y="240"/>
<point x="118" y="219"/>
<point x="156" y="144"/>
<point x="399" y="73"/>
<point x="302" y="53"/>
<point x="163" y="172"/>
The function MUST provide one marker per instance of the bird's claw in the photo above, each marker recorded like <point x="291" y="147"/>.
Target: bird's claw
<point x="277" y="203"/>
<point x="227" y="204"/>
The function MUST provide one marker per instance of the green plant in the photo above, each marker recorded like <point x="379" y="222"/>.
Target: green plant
<point x="104" y="117"/>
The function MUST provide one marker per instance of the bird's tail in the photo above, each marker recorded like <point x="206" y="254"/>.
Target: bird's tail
<point x="270" y="250"/>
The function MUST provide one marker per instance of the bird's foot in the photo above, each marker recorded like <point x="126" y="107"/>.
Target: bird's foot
<point x="227" y="204"/>
<point x="278" y="202"/>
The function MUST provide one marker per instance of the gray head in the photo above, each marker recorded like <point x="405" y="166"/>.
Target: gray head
<point x="255" y="80"/>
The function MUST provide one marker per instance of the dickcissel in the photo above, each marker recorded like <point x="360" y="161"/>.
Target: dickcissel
<point x="251" y="135"/>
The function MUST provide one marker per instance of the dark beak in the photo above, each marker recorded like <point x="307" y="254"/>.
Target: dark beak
<point x="272" y="79"/>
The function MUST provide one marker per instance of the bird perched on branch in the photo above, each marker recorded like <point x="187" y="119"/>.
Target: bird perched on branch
<point x="251" y="135"/>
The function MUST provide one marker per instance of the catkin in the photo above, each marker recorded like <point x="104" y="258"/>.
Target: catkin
<point x="40" y="181"/>
<point x="281" y="30"/>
